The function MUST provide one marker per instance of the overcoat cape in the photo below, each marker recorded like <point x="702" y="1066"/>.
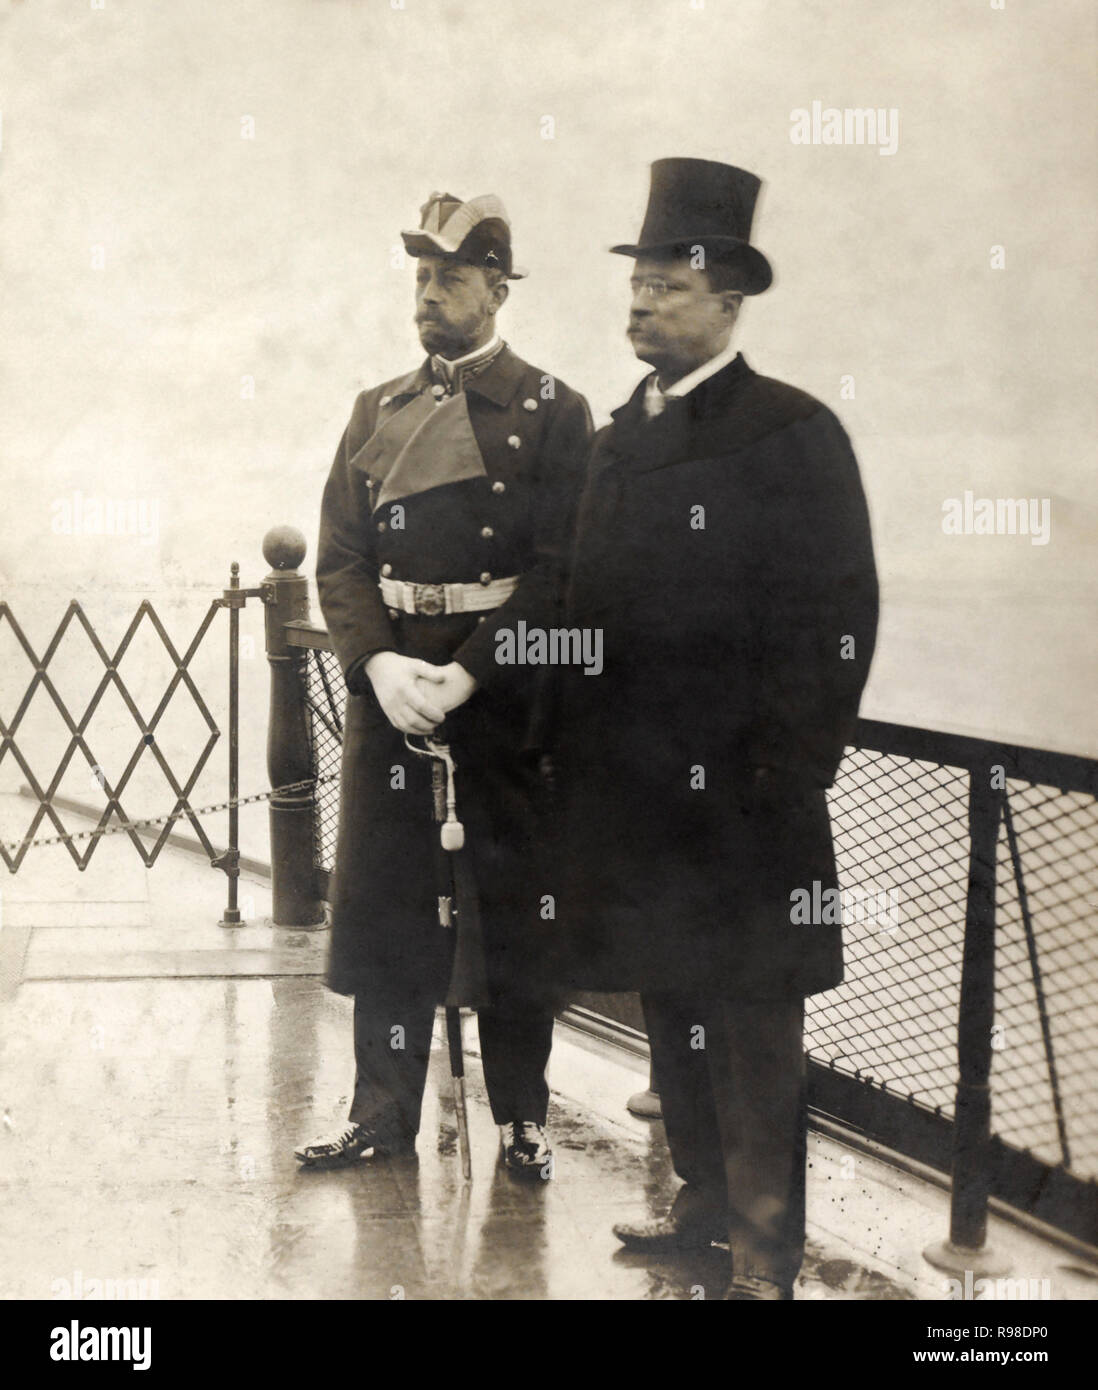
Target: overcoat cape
<point x="724" y="550"/>
<point x="483" y="483"/>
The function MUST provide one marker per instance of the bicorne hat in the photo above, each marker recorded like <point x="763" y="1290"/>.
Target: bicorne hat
<point x="477" y="232"/>
<point x="698" y="202"/>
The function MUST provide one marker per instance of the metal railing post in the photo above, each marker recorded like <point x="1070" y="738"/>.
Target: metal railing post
<point x="295" y="890"/>
<point x="230" y="860"/>
<point x="966" y="1248"/>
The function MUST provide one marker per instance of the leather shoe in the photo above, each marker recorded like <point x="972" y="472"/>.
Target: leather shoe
<point x="525" y="1149"/>
<point x="349" y="1145"/>
<point x="669" y="1233"/>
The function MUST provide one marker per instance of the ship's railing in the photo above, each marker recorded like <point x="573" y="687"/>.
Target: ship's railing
<point x="965" y="1033"/>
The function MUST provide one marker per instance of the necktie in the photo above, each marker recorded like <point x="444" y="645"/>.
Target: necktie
<point x="655" y="402"/>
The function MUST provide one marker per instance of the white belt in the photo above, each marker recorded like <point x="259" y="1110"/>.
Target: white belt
<point x="432" y="599"/>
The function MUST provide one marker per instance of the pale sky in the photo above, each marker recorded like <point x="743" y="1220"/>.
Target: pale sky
<point x="153" y="257"/>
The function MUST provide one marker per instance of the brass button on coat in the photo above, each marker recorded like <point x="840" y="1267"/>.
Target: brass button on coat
<point x="487" y="532"/>
<point x="497" y="486"/>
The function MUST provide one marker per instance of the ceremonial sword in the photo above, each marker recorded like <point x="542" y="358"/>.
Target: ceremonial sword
<point x="460" y="914"/>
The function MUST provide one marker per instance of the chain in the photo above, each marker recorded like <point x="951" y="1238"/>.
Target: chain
<point x="121" y="826"/>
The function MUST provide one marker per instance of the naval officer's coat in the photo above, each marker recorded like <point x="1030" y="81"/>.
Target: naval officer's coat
<point x="432" y="488"/>
<point x="724" y="549"/>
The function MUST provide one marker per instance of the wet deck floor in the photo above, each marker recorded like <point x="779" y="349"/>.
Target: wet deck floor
<point x="148" y="1134"/>
<point x="155" y="1077"/>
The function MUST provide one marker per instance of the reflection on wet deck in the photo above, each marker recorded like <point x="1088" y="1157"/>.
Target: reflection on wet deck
<point x="157" y="1071"/>
<point x="148" y="1132"/>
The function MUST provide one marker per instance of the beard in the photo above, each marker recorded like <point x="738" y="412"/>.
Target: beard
<point x="445" y="339"/>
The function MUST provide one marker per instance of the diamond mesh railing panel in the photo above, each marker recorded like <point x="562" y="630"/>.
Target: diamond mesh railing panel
<point x="900" y="827"/>
<point x="901" y="824"/>
<point x="325" y="694"/>
<point x="146" y="748"/>
<point x="1043" y="1082"/>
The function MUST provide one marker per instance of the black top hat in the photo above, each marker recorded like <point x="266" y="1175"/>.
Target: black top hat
<point x="700" y="202"/>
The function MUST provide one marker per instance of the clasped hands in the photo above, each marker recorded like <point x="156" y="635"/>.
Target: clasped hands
<point x="415" y="695"/>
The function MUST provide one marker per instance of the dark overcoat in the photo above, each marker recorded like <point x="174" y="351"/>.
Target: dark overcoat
<point x="724" y="550"/>
<point x="483" y="484"/>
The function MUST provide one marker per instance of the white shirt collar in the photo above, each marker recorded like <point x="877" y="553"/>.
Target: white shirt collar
<point x="654" y="396"/>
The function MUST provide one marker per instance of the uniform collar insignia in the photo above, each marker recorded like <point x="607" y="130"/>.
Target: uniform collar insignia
<point x="499" y="381"/>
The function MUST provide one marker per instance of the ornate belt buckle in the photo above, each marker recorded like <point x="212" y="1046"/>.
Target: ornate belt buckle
<point x="429" y="599"/>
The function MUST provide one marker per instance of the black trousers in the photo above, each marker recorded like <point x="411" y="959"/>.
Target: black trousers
<point x="393" y="1046"/>
<point x="731" y="1079"/>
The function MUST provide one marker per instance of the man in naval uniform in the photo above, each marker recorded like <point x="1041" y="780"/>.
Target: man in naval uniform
<point x="445" y="521"/>
<point x="723" y="547"/>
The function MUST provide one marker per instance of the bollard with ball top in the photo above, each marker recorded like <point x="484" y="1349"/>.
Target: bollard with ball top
<point x="295" y="888"/>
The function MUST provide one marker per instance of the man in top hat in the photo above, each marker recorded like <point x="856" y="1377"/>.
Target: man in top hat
<point x="724" y="549"/>
<point x="444" y="521"/>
